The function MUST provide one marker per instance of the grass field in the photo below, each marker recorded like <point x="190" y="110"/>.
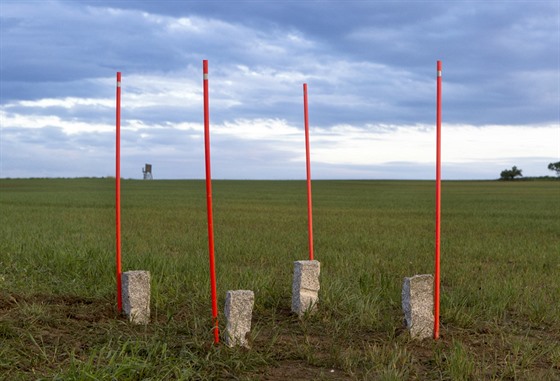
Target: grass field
<point x="500" y="303"/>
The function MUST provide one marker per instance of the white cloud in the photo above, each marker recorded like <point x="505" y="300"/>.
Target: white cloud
<point x="339" y="146"/>
<point x="67" y="103"/>
<point x="275" y="130"/>
<point x="68" y="126"/>
<point x="494" y="143"/>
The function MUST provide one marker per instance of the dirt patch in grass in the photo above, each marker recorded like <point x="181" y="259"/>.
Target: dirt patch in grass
<point x="44" y="334"/>
<point x="69" y="308"/>
<point x="46" y="330"/>
<point x="299" y="370"/>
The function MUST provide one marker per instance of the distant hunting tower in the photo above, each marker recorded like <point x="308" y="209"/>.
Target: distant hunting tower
<point x="147" y="171"/>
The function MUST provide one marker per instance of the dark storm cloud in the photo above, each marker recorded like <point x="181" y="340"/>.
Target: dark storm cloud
<point x="491" y="52"/>
<point x="367" y="63"/>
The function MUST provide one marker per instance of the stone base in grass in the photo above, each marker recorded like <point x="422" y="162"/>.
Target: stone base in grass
<point x="238" y="311"/>
<point x="418" y="305"/>
<point x="136" y="296"/>
<point x="305" y="286"/>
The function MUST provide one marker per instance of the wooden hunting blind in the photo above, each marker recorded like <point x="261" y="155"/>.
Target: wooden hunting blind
<point x="147" y="171"/>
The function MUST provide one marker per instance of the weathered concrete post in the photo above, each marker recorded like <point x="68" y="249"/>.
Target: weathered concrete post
<point x="418" y="305"/>
<point x="305" y="286"/>
<point x="239" y="311"/>
<point x="136" y="296"/>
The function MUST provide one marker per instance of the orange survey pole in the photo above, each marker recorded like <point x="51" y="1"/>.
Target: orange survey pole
<point x="118" y="193"/>
<point x="308" y="167"/>
<point x="438" y="203"/>
<point x="209" y="204"/>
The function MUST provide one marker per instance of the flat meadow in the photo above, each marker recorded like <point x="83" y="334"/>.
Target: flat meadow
<point x="500" y="258"/>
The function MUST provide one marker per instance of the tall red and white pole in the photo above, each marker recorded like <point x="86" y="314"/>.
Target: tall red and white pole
<point x="438" y="204"/>
<point x="308" y="170"/>
<point x="118" y="193"/>
<point x="209" y="204"/>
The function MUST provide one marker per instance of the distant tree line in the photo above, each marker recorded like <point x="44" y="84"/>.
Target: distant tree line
<point x="511" y="174"/>
<point x="555" y="167"/>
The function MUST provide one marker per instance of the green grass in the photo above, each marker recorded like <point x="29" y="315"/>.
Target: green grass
<point x="500" y="268"/>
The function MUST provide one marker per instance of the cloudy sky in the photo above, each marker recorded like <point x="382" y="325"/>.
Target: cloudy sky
<point x="370" y="67"/>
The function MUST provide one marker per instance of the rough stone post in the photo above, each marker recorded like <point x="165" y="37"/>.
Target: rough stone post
<point x="136" y="296"/>
<point x="418" y="305"/>
<point x="305" y="286"/>
<point x="239" y="311"/>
